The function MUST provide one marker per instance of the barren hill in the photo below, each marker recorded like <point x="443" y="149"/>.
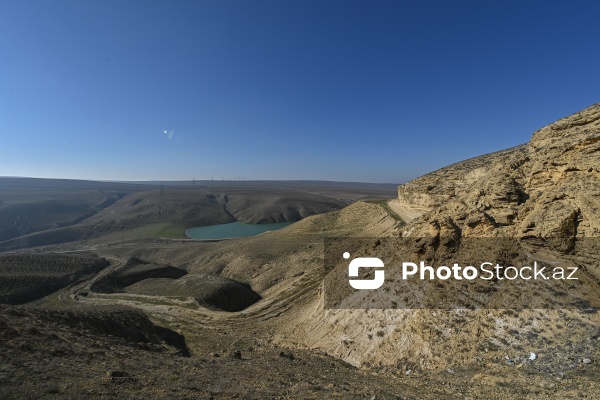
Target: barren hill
<point x="37" y="212"/>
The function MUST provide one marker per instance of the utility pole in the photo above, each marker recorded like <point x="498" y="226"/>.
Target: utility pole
<point x="22" y="225"/>
<point x="161" y="198"/>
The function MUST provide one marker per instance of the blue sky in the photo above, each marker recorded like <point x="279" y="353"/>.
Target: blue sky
<point x="374" y="91"/>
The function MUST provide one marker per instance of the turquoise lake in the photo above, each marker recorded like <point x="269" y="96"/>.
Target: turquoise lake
<point x="232" y="230"/>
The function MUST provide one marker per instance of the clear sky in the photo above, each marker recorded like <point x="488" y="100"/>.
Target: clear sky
<point x="374" y="91"/>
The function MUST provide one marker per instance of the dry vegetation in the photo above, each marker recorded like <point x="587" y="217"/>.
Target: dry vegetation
<point x="27" y="277"/>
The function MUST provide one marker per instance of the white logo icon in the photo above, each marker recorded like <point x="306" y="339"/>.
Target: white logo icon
<point x="365" y="262"/>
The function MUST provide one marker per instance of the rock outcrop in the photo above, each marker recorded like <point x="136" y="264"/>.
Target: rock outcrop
<point x="436" y="188"/>
<point x="549" y="187"/>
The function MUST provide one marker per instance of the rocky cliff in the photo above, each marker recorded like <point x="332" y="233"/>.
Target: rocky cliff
<point x="549" y="187"/>
<point x="436" y="188"/>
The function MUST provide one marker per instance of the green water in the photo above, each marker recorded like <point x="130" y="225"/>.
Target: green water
<point x="232" y="230"/>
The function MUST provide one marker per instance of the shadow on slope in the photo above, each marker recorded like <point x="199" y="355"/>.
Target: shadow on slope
<point x="133" y="326"/>
<point x="134" y="271"/>
<point x="211" y="291"/>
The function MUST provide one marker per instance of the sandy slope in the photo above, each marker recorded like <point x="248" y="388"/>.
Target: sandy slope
<point x="406" y="211"/>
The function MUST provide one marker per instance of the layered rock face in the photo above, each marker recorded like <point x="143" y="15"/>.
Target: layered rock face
<point x="549" y="187"/>
<point x="436" y="188"/>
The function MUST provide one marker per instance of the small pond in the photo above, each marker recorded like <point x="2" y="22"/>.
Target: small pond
<point x="232" y="230"/>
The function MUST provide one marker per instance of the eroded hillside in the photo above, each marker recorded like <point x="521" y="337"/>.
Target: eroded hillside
<point x="548" y="188"/>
